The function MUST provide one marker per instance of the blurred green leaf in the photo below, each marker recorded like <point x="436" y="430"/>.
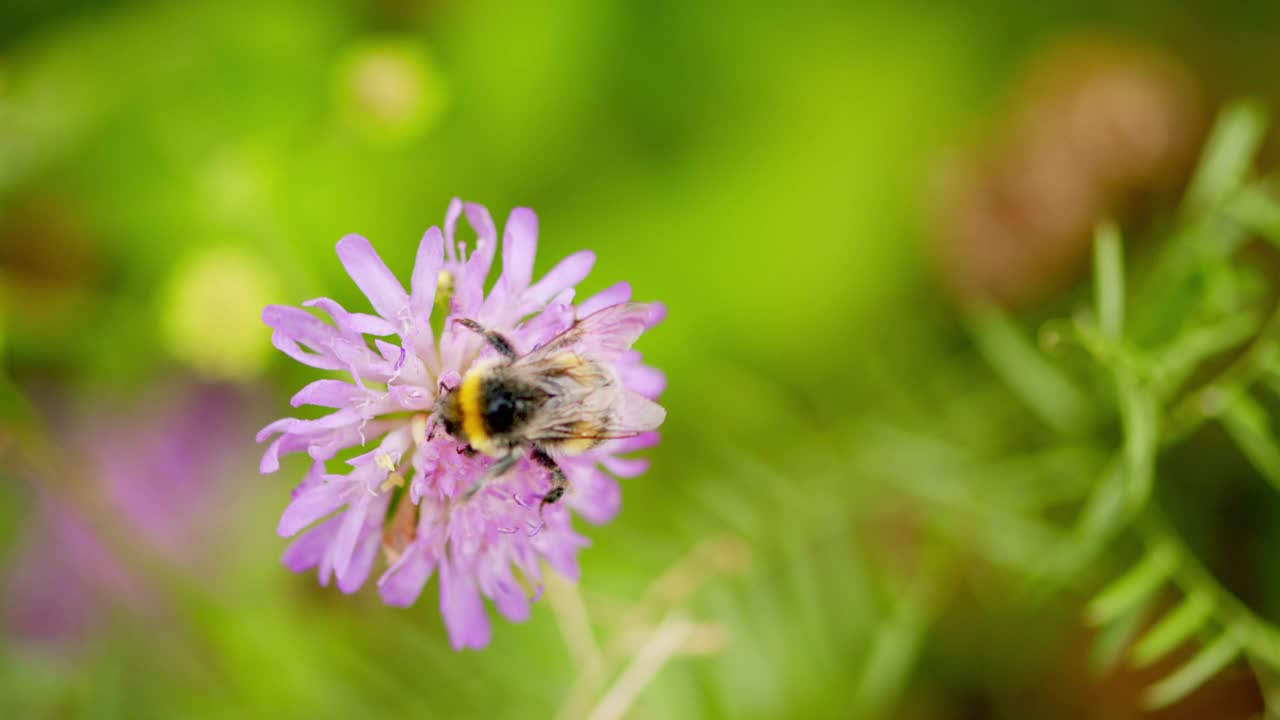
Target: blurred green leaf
<point x="1037" y="382"/>
<point x="1255" y="207"/>
<point x="1108" y="279"/>
<point x="1133" y="588"/>
<point x="1194" y="673"/>
<point x="1247" y="423"/>
<point x="1139" y="415"/>
<point x="1199" y="343"/>
<point x="1175" y="628"/>
<point x="1229" y="153"/>
<point x="1116" y="636"/>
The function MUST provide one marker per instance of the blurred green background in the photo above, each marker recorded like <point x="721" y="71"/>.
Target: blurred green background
<point x="769" y="171"/>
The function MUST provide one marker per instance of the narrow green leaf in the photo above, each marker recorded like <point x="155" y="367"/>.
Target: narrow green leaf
<point x="1179" y="359"/>
<point x="1228" y="155"/>
<point x="1256" y="207"/>
<point x="1115" y="638"/>
<point x="1135" y="586"/>
<point x="1095" y="525"/>
<point x="1173" y="630"/>
<point x="1108" y="279"/>
<point x="1246" y="421"/>
<point x="893" y="651"/>
<point x="1041" y="386"/>
<point x="1139" y="418"/>
<point x="1104" y="511"/>
<point x="1194" y="673"/>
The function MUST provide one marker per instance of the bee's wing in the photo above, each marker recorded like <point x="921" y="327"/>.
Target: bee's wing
<point x="605" y="413"/>
<point x="587" y="400"/>
<point x="602" y="335"/>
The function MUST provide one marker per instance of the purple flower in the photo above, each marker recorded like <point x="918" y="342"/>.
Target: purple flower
<point x="405" y="493"/>
<point x="164" y="469"/>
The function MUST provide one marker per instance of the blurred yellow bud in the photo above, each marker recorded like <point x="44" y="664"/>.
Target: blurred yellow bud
<point x="211" y="309"/>
<point x="389" y="91"/>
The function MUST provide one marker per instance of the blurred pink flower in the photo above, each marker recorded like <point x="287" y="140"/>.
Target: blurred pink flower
<point x="164" y="470"/>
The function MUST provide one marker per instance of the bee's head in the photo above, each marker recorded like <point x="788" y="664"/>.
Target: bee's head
<point x="449" y="411"/>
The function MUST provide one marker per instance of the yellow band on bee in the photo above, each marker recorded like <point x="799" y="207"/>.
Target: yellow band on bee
<point x="472" y="417"/>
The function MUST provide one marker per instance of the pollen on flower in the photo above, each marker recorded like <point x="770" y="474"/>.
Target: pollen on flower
<point x="444" y="289"/>
<point x="394" y="480"/>
<point x="418" y="427"/>
<point x="386" y="461"/>
<point x="497" y="544"/>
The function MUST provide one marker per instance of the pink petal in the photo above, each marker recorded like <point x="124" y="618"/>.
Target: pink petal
<point x="612" y="295"/>
<point x="596" y="496"/>
<point x="309" y="549"/>
<point x="625" y="467"/>
<point x="450" y="229"/>
<point x="290" y="347"/>
<point x="642" y="379"/>
<point x="366" y="551"/>
<point x="352" y="523"/>
<point x="294" y="326"/>
<point x="426" y="273"/>
<point x="282" y="445"/>
<point x="657" y="313"/>
<point x="463" y="610"/>
<point x="566" y="274"/>
<point x="519" y="244"/>
<point x="469" y="286"/>
<point x="561" y="553"/>
<point x="371" y="275"/>
<point x="511" y="601"/>
<point x="349" y="322"/>
<point x="311" y="505"/>
<point x="327" y="393"/>
<point x="402" y="583"/>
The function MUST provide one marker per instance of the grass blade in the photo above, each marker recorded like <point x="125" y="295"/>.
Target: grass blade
<point x="1108" y="279"/>
<point x="1207" y="663"/>
<point x="1041" y="386"/>
<point x="1138" y="417"/>
<point x="1228" y="155"/>
<point x="1256" y="208"/>
<point x="1130" y="589"/>
<point x="1246" y="422"/>
<point x="1176" y="628"/>
<point x="1115" y="638"/>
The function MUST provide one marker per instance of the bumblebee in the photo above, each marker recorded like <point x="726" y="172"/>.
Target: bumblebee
<point x="562" y="398"/>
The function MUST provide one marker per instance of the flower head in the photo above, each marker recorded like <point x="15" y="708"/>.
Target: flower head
<point x="406" y="493"/>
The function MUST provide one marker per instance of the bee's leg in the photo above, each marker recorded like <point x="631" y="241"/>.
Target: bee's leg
<point x="496" y="340"/>
<point x="559" y="483"/>
<point x="495" y="471"/>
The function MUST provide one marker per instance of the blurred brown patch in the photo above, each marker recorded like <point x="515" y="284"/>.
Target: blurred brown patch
<point x="1093" y="128"/>
<point x="48" y="263"/>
